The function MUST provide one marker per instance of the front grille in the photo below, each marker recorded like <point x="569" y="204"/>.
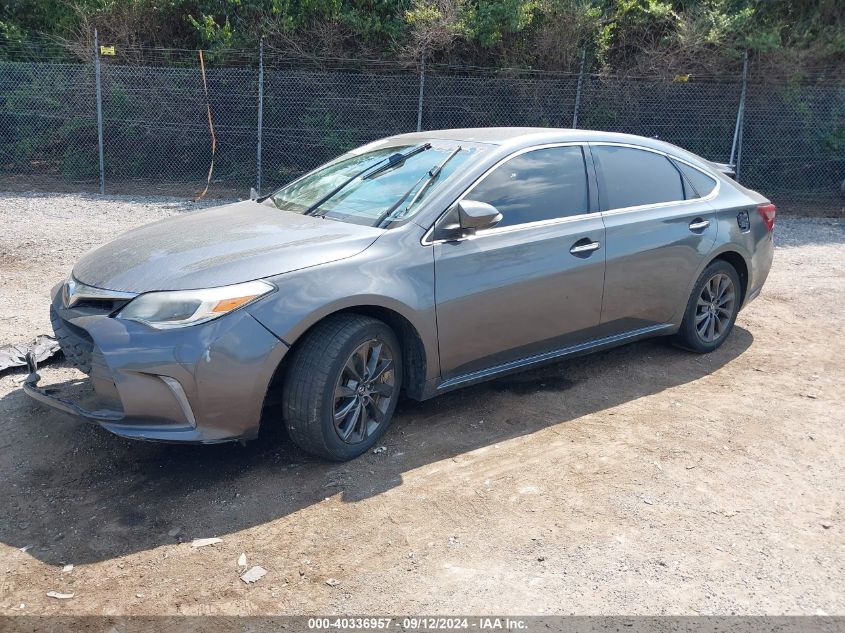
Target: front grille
<point x="80" y="349"/>
<point x="77" y="345"/>
<point x="66" y="330"/>
<point x="89" y="300"/>
<point x="99" y="306"/>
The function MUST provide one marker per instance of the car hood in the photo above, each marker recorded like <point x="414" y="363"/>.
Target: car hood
<point x="219" y="246"/>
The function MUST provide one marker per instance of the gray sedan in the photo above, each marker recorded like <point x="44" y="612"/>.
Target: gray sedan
<point x="417" y="264"/>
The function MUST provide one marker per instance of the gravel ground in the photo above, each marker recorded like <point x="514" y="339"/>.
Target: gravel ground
<point x="43" y="234"/>
<point x="639" y="480"/>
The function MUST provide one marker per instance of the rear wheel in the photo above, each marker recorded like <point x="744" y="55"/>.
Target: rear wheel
<point x="341" y="388"/>
<point x="711" y="310"/>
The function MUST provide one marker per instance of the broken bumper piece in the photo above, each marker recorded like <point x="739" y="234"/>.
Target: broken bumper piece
<point x="204" y="384"/>
<point x="181" y="428"/>
<point x="45" y="396"/>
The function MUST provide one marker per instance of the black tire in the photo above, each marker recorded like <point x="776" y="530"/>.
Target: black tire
<point x="319" y="383"/>
<point x="75" y="346"/>
<point x="706" y="307"/>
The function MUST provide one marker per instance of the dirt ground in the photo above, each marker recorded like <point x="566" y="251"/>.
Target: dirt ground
<point x="643" y="480"/>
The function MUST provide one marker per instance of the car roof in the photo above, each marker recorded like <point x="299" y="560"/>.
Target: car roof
<point x="527" y="136"/>
<point x="509" y="135"/>
<point x="491" y="135"/>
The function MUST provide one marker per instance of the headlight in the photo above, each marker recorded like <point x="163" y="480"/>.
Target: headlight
<point x="178" y="308"/>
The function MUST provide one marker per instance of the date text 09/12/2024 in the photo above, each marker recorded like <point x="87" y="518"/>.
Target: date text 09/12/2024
<point x="417" y="623"/>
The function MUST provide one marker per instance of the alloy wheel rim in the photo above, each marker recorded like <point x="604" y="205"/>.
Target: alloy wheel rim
<point x="715" y="308"/>
<point x="364" y="392"/>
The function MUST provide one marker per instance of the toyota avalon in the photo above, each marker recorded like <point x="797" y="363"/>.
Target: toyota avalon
<point x="413" y="265"/>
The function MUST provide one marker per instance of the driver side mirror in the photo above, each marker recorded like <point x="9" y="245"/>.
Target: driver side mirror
<point x="474" y="215"/>
<point x="465" y="218"/>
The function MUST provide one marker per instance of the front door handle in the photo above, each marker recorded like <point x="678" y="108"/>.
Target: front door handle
<point x="582" y="247"/>
<point x="698" y="224"/>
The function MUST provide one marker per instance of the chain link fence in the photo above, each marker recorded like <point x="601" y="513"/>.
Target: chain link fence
<point x="273" y="120"/>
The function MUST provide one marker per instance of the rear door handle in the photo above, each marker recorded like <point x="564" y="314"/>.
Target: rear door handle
<point x="582" y="247"/>
<point x="698" y="224"/>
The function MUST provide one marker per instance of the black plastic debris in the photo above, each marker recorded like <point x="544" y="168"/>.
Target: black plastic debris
<point x="43" y="347"/>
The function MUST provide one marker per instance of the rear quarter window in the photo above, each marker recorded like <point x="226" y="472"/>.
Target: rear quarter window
<point x="698" y="183"/>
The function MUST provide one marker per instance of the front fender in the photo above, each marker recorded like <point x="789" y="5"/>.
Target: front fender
<point x="395" y="273"/>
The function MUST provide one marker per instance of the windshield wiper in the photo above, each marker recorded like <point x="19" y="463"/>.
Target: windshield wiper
<point x="429" y="177"/>
<point x="370" y="170"/>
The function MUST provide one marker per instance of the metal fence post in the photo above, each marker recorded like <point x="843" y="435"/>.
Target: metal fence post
<point x="578" y="89"/>
<point x="99" y="111"/>
<point x="736" y="147"/>
<point x="260" y="113"/>
<point x="422" y="92"/>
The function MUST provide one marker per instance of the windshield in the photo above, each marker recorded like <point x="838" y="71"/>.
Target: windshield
<point x="366" y="200"/>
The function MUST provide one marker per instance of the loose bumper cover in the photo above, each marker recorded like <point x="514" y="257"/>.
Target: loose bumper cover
<point x="204" y="383"/>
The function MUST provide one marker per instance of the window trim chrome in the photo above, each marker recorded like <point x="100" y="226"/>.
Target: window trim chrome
<point x="426" y="238"/>
<point x="659" y="205"/>
<point x="427" y="241"/>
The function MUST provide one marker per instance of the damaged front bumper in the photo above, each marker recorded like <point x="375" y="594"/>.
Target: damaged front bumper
<point x="202" y="384"/>
<point x="47" y="396"/>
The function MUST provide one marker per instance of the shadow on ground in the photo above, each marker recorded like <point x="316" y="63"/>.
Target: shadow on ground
<point x="75" y="493"/>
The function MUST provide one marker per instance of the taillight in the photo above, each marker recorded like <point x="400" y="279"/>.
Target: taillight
<point x="768" y="212"/>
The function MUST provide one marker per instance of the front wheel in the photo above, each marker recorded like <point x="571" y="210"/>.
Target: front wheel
<point x="711" y="310"/>
<point x="341" y="388"/>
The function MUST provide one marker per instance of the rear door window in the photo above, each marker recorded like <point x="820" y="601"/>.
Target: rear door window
<point x="634" y="177"/>
<point x="542" y="184"/>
